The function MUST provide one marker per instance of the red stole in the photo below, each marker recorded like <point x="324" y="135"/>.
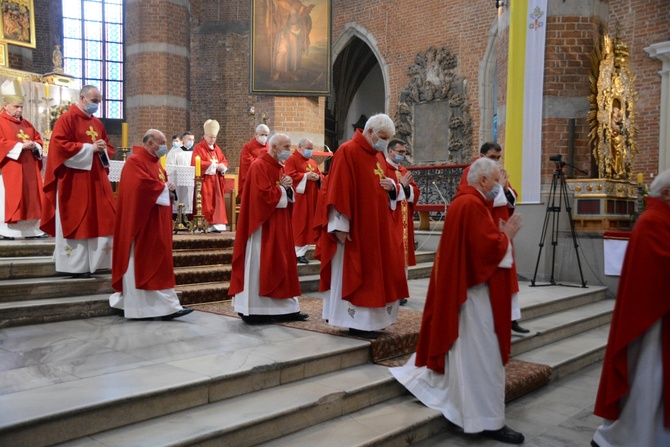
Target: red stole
<point x="471" y="247"/>
<point x="213" y="201"/>
<point x="372" y="275"/>
<point x="85" y="198"/>
<point x="642" y="300"/>
<point x="278" y="268"/>
<point x="139" y="219"/>
<point x="302" y="216"/>
<point x="22" y="179"/>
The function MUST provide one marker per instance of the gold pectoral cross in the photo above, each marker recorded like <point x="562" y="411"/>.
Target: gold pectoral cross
<point x="92" y="133"/>
<point x="23" y="136"/>
<point x="379" y="172"/>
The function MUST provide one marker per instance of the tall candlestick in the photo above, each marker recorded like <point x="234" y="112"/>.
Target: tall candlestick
<point x="124" y="134"/>
<point x="197" y="166"/>
<point x="640" y="178"/>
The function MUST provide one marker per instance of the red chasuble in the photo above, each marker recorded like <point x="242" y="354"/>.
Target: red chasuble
<point x="278" y="269"/>
<point x="213" y="201"/>
<point x="471" y="247"/>
<point x="140" y="220"/>
<point x="304" y="207"/>
<point x="85" y="198"/>
<point x="403" y="216"/>
<point x="372" y="276"/>
<point x="498" y="212"/>
<point x="21" y="177"/>
<point x="250" y="152"/>
<point x="642" y="300"/>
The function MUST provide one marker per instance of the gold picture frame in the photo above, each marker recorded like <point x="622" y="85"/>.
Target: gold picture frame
<point x="290" y="47"/>
<point x="17" y="26"/>
<point x="3" y="54"/>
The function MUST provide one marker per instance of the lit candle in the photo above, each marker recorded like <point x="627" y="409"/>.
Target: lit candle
<point x="197" y="166"/>
<point x="640" y="178"/>
<point x="163" y="159"/>
<point x="46" y="89"/>
<point x="124" y="134"/>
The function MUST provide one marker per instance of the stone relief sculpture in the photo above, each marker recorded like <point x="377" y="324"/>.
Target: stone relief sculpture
<point x="432" y="80"/>
<point x="612" y="110"/>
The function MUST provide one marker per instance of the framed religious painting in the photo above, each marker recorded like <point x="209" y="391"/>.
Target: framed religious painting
<point x="17" y="26"/>
<point x="290" y="47"/>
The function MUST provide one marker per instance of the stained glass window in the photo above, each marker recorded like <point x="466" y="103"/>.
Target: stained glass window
<point x="93" y="49"/>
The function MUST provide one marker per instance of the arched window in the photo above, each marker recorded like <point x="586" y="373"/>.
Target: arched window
<point x="93" y="49"/>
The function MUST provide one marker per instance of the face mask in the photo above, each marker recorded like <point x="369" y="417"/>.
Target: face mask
<point x="398" y="158"/>
<point x="307" y="153"/>
<point x="493" y="193"/>
<point x="175" y="144"/>
<point x="283" y="155"/>
<point x="162" y="150"/>
<point x="189" y="144"/>
<point x="381" y="145"/>
<point x="91" y="108"/>
<point x="262" y="139"/>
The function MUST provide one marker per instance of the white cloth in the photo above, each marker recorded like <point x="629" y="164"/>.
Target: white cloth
<point x="501" y="200"/>
<point x="471" y="392"/>
<point x="138" y="303"/>
<point x="640" y="422"/>
<point x="614" y="251"/>
<point x="180" y="157"/>
<point x="249" y="301"/>
<point x="301" y="250"/>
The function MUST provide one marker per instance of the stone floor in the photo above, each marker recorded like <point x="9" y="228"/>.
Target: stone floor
<point x="75" y="354"/>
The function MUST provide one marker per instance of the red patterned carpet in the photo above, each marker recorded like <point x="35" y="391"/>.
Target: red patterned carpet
<point x="397" y="342"/>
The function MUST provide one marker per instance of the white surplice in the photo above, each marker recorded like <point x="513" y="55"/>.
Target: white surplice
<point x="180" y="157"/>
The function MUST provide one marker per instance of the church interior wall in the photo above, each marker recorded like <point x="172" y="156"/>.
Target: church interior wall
<point x="369" y="99"/>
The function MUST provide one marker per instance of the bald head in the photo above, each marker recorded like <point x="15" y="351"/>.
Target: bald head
<point x="153" y="140"/>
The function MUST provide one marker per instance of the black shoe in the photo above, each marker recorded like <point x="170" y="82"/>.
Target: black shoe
<point x="303" y="260"/>
<point x="370" y="335"/>
<point x="296" y="316"/>
<point x="7" y="238"/>
<point x="403" y="301"/>
<point x="519" y="329"/>
<point x="81" y="275"/>
<point x="255" y="319"/>
<point x="594" y="443"/>
<point x="505" y="434"/>
<point x="179" y="313"/>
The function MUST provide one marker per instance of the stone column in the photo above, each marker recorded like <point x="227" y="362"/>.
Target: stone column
<point x="157" y="66"/>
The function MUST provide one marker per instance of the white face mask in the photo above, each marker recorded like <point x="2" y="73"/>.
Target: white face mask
<point x="493" y="193"/>
<point x="283" y="155"/>
<point x="381" y="145"/>
<point x="262" y="139"/>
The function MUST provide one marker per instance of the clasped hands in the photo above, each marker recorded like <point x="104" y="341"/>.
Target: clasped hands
<point x="99" y="146"/>
<point x="286" y="181"/>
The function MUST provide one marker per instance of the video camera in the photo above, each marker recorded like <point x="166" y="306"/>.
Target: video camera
<point x="558" y="159"/>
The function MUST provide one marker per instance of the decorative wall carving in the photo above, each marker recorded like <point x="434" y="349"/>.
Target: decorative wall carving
<point x="446" y="130"/>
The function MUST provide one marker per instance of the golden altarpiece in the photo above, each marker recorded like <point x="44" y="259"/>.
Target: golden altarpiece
<point x="609" y="201"/>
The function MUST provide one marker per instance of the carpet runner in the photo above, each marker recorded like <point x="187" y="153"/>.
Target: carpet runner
<point x="397" y="343"/>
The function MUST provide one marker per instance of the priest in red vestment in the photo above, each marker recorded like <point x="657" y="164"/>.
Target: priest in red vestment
<point x="306" y="183"/>
<point x="634" y="391"/>
<point x="20" y="167"/>
<point x="79" y="204"/>
<point x="503" y="207"/>
<point x="359" y="251"/>
<point x="142" y="269"/>
<point x="265" y="275"/>
<point x="464" y="342"/>
<point x="250" y="152"/>
<point x="213" y="167"/>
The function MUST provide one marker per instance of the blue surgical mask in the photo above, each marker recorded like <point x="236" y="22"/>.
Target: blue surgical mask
<point x="91" y="108"/>
<point x="283" y="155"/>
<point x="175" y="144"/>
<point x="307" y="153"/>
<point x="493" y="193"/>
<point x="381" y="145"/>
<point x="189" y="144"/>
<point x="398" y="158"/>
<point x="162" y="150"/>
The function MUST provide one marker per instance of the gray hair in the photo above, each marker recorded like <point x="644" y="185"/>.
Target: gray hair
<point x="381" y="122"/>
<point x="481" y="167"/>
<point x="303" y="142"/>
<point x="262" y="127"/>
<point x="661" y="182"/>
<point x="274" y="138"/>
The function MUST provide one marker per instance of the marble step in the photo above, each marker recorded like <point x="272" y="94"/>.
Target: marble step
<point x="27" y="267"/>
<point x="27" y="247"/>
<point x="562" y="324"/>
<point x="20" y="313"/>
<point x="50" y="287"/>
<point x="396" y="423"/>
<point x="570" y="354"/>
<point x="230" y="391"/>
<point x="539" y="301"/>
<point x="262" y="416"/>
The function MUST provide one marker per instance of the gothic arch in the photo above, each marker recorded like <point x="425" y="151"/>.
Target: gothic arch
<point x="487" y="86"/>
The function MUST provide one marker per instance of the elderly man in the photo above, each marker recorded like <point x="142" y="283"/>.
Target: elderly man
<point x="634" y="392"/>
<point x="359" y="250"/>
<point x="250" y="152"/>
<point x="265" y="275"/>
<point x="306" y="175"/>
<point x="214" y="166"/>
<point x="142" y="270"/>
<point x="79" y="203"/>
<point x="20" y="166"/>
<point x="464" y="342"/>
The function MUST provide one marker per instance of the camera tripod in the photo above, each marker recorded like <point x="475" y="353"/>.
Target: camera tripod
<point x="558" y="188"/>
